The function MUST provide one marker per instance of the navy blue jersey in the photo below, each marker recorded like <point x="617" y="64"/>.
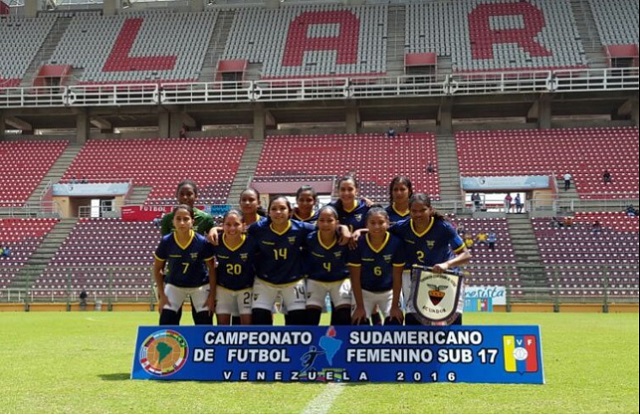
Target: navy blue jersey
<point x="311" y="219"/>
<point x="236" y="265"/>
<point x="280" y="259"/>
<point x="438" y="243"/>
<point x="325" y="263"/>
<point x="376" y="265"/>
<point x="394" y="215"/>
<point x="185" y="264"/>
<point x="354" y="218"/>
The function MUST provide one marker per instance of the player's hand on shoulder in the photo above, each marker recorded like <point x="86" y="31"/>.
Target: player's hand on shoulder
<point x="212" y="235"/>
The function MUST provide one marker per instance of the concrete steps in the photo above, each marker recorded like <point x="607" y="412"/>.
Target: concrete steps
<point x="246" y="171"/>
<point x="43" y="255"/>
<point x="525" y="248"/>
<point x="56" y="172"/>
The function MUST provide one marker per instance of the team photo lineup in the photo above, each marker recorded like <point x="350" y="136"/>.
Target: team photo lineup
<point x="357" y="253"/>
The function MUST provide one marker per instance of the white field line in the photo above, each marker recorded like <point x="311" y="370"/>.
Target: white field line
<point x="322" y="403"/>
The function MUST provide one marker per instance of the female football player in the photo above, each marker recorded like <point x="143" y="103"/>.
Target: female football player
<point x="235" y="273"/>
<point x="375" y="268"/>
<point x="326" y="268"/>
<point x="188" y="257"/>
<point x="432" y="241"/>
<point x="400" y="190"/>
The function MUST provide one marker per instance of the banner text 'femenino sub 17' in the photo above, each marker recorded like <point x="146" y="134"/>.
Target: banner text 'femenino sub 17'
<point x="474" y="354"/>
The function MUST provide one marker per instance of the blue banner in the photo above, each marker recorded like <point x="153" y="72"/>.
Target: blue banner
<point x="474" y="354"/>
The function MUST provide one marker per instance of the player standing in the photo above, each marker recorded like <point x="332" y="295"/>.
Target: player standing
<point x="326" y="268"/>
<point x="235" y="272"/>
<point x="430" y="240"/>
<point x="376" y="270"/>
<point x="188" y="256"/>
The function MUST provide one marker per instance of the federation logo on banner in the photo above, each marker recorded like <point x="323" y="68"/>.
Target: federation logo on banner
<point x="520" y="354"/>
<point x="435" y="296"/>
<point x="163" y="353"/>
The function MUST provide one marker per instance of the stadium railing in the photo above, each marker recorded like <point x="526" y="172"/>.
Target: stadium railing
<point x="588" y="283"/>
<point x="475" y="83"/>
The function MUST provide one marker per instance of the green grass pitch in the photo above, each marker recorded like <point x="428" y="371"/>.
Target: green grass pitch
<point x="80" y="363"/>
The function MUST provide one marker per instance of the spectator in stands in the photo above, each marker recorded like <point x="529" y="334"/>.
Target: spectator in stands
<point x="518" y="203"/>
<point x="391" y="132"/>
<point x="492" y="238"/>
<point x="468" y="240"/>
<point x="406" y="126"/>
<point x="84" y="180"/>
<point x="5" y="251"/>
<point x="183" y="131"/>
<point x="606" y="176"/>
<point x="481" y="238"/>
<point x="507" y="203"/>
<point x="567" y="221"/>
<point x="556" y="223"/>
<point x="476" y="200"/>
<point x="596" y="227"/>
<point x="83" y="300"/>
<point x="567" y="181"/>
<point x="430" y="168"/>
<point x="157" y="222"/>
<point x="461" y="230"/>
<point x="631" y="211"/>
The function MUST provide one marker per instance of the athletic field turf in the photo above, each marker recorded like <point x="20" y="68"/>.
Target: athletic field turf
<point x="80" y="362"/>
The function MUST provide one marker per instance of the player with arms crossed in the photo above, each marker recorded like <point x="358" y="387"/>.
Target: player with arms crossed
<point x="188" y="256"/>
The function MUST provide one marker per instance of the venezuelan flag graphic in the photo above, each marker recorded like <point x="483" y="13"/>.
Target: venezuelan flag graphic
<point x="520" y="353"/>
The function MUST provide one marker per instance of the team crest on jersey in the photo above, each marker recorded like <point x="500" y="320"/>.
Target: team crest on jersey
<point x="194" y="256"/>
<point x="244" y="257"/>
<point x="358" y="217"/>
<point x="435" y="295"/>
<point x="338" y="254"/>
<point x="430" y="244"/>
<point x="292" y="240"/>
<point x="387" y="258"/>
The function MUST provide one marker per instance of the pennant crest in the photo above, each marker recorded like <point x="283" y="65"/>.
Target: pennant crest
<point x="435" y="296"/>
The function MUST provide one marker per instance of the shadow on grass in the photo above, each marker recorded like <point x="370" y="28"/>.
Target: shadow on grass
<point x="115" y="376"/>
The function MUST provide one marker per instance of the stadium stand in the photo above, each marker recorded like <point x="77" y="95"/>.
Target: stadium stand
<point x="22" y="236"/>
<point x="616" y="25"/>
<point x="590" y="260"/>
<point x="490" y="267"/>
<point x="584" y="152"/>
<point x="23" y="165"/>
<point x="302" y="41"/>
<point x="487" y="36"/>
<point x="374" y="158"/>
<point x="97" y="255"/>
<point x="136" y="47"/>
<point x="27" y="36"/>
<point x="161" y="164"/>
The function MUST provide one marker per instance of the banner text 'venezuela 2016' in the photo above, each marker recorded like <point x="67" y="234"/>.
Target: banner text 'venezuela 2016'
<point x="478" y="354"/>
